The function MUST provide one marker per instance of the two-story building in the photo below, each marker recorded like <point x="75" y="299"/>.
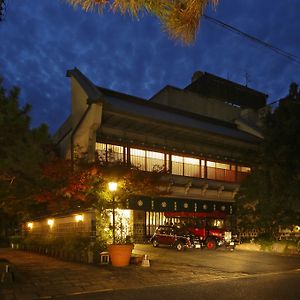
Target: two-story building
<point x="202" y="135"/>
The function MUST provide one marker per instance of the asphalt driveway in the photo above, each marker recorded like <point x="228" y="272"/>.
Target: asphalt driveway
<point x="42" y="277"/>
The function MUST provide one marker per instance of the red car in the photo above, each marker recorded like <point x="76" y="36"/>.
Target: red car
<point x="171" y="236"/>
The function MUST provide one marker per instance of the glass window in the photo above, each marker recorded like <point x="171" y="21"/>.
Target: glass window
<point x="211" y="164"/>
<point x="223" y="166"/>
<point x="242" y="173"/>
<point x="154" y="219"/>
<point x="211" y="169"/>
<point x="177" y="165"/>
<point x="101" y="151"/>
<point x="180" y="165"/>
<point x="191" y="167"/>
<point x="220" y="171"/>
<point x="244" y="169"/>
<point x="138" y="158"/>
<point x="215" y="223"/>
<point x="114" y="152"/>
<point x="202" y="168"/>
<point x="109" y="152"/>
<point x="155" y="160"/>
<point x="176" y="158"/>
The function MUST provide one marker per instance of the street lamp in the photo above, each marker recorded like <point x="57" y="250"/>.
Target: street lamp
<point x="113" y="186"/>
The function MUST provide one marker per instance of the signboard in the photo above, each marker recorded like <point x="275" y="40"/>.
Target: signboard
<point x="167" y="204"/>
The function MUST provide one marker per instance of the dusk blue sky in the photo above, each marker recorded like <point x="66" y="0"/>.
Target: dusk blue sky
<point x="41" y="39"/>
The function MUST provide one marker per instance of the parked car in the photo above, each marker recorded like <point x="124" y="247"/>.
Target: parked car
<point x="174" y="236"/>
<point x="211" y="231"/>
<point x="213" y="237"/>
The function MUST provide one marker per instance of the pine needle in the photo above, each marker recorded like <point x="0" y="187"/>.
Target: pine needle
<point x="180" y="18"/>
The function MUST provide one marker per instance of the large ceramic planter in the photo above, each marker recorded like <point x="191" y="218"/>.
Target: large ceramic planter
<point x="120" y="254"/>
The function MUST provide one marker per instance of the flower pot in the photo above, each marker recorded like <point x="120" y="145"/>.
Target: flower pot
<point x="120" y="254"/>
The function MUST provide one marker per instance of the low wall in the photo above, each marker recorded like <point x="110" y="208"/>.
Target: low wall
<point x="284" y="247"/>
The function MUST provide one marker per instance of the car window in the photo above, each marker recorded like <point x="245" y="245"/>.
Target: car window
<point x="161" y="230"/>
<point x="168" y="230"/>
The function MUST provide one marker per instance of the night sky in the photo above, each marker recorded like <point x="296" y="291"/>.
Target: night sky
<point x="41" y="39"/>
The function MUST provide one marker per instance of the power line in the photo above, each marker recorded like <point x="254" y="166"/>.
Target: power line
<point x="254" y="39"/>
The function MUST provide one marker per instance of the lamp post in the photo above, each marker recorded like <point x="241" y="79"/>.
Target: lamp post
<point x="113" y="186"/>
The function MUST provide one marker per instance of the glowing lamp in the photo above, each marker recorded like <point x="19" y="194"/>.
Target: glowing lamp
<point x="50" y="222"/>
<point x="112" y="186"/>
<point x="78" y="218"/>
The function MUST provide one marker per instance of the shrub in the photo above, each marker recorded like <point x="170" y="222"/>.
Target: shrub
<point x="15" y="240"/>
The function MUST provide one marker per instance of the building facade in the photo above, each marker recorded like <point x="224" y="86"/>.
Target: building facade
<point x="202" y="136"/>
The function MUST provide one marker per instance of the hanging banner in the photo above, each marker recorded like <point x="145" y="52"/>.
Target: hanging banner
<point x="166" y="204"/>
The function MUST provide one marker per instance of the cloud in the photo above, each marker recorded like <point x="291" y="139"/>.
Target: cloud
<point x="40" y="40"/>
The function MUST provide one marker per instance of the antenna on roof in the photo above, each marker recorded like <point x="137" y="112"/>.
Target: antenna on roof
<point x="247" y="78"/>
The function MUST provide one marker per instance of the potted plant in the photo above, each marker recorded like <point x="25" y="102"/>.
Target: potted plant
<point x="120" y="250"/>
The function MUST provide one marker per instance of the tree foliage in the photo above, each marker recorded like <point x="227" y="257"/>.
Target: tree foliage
<point x="270" y="197"/>
<point x="67" y="188"/>
<point x="180" y="18"/>
<point x="22" y="151"/>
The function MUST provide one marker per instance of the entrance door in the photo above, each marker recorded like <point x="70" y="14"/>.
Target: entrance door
<point x="153" y="220"/>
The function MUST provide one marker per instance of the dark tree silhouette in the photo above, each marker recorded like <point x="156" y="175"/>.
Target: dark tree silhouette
<point x="270" y="197"/>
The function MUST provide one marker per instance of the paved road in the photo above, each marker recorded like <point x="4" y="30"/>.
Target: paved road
<point x="224" y="261"/>
<point x="45" y="277"/>
<point x="279" y="286"/>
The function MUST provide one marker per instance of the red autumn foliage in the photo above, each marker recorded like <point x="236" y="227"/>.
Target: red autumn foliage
<point x="66" y="187"/>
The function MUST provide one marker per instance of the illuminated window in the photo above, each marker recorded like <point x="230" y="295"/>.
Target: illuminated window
<point x="147" y="160"/>
<point x="211" y="169"/>
<point x="109" y="152"/>
<point x="244" y="169"/>
<point x="223" y="166"/>
<point x="211" y="164"/>
<point x="154" y="219"/>
<point x="220" y="171"/>
<point x="155" y="160"/>
<point x="191" y="167"/>
<point x="242" y="173"/>
<point x="202" y="168"/>
<point x="138" y="158"/>
<point x="216" y="223"/>
<point x="114" y="152"/>
<point x="185" y="166"/>
<point x="101" y="150"/>
<point x="177" y="164"/>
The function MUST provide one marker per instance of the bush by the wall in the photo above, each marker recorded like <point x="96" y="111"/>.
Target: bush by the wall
<point x="73" y="247"/>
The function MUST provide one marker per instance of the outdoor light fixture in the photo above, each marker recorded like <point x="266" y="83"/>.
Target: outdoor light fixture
<point x="113" y="186"/>
<point x="78" y="218"/>
<point x="30" y="225"/>
<point x="50" y="222"/>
